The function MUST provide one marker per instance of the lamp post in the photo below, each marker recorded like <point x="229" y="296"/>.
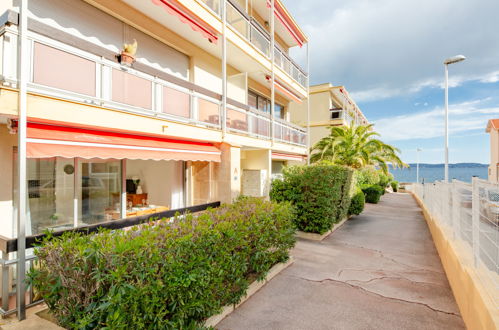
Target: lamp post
<point x="417" y="165"/>
<point x="451" y="60"/>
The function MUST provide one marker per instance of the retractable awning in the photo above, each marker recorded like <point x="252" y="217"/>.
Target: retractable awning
<point x="284" y="90"/>
<point x="174" y="8"/>
<point x="45" y="141"/>
<point x="283" y="156"/>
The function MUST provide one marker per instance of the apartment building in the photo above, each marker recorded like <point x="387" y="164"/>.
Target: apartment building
<point x="193" y="109"/>
<point x="493" y="130"/>
<point x="329" y="106"/>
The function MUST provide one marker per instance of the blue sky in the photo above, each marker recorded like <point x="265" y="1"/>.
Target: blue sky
<point x="389" y="54"/>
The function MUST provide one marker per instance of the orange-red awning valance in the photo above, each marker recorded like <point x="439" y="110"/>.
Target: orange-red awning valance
<point x="44" y="141"/>
<point x="284" y="90"/>
<point x="288" y="22"/>
<point x="175" y="8"/>
<point x="284" y="156"/>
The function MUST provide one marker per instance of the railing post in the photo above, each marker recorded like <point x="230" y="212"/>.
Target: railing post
<point x="5" y="281"/>
<point x="456" y="214"/>
<point x="223" y="110"/>
<point x="475" y="212"/>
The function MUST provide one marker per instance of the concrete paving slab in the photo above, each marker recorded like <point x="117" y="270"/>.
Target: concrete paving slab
<point x="380" y="270"/>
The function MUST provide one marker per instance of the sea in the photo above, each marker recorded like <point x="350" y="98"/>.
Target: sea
<point x="435" y="172"/>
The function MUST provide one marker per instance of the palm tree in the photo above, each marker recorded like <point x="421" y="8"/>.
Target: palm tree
<point x="355" y="146"/>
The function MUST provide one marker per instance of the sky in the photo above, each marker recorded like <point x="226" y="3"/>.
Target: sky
<point x="389" y="55"/>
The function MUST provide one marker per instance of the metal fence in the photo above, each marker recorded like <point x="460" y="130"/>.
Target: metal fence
<point x="468" y="215"/>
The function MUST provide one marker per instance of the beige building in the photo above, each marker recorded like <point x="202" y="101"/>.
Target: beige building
<point x="181" y="117"/>
<point x="329" y="106"/>
<point x="493" y="130"/>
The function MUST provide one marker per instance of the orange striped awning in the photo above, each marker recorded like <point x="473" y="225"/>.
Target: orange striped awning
<point x="45" y="141"/>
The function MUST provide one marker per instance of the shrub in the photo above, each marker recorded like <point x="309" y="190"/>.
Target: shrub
<point x="395" y="186"/>
<point x="372" y="193"/>
<point x="357" y="202"/>
<point x="169" y="275"/>
<point x="367" y="175"/>
<point x="321" y="194"/>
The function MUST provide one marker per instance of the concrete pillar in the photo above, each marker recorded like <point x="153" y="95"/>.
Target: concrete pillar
<point x="228" y="173"/>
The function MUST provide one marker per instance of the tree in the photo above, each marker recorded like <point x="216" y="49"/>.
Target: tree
<point x="355" y="146"/>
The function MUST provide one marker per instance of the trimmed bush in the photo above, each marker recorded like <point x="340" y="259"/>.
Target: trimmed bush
<point x="168" y="275"/>
<point x="367" y="175"/>
<point x="395" y="186"/>
<point x="372" y="193"/>
<point x="321" y="194"/>
<point x="357" y="202"/>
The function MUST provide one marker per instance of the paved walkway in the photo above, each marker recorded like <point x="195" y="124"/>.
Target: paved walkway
<point x="379" y="271"/>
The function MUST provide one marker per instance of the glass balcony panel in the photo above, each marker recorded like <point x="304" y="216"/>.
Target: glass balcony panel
<point x="260" y="41"/>
<point x="176" y="102"/>
<point x="213" y="5"/>
<point x="59" y="69"/>
<point x="132" y="90"/>
<point x="237" y="120"/>
<point x="209" y="112"/>
<point x="237" y="20"/>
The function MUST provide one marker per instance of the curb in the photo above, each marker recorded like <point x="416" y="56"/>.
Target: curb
<point x="252" y="289"/>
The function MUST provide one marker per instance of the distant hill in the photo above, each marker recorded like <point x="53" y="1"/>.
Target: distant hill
<point x="457" y="165"/>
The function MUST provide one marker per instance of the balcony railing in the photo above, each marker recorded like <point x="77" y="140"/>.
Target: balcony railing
<point x="256" y="35"/>
<point x="347" y="116"/>
<point x="63" y="71"/>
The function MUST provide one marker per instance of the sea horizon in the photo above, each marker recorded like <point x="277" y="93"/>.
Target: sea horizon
<point x="435" y="172"/>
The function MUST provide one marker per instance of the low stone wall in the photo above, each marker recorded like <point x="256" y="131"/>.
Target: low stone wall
<point x="477" y="308"/>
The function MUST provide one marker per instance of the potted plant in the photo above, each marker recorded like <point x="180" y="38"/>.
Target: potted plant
<point x="127" y="56"/>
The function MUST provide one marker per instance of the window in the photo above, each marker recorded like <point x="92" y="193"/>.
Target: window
<point x="262" y="103"/>
<point x="335" y="114"/>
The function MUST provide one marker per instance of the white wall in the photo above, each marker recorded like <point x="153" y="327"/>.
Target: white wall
<point x="89" y="23"/>
<point x="161" y="180"/>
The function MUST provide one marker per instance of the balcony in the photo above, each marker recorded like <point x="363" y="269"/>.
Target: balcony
<point x="344" y="117"/>
<point x="250" y="30"/>
<point x="65" y="72"/>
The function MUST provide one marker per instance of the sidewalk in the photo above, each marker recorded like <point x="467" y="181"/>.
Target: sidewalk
<point x="379" y="271"/>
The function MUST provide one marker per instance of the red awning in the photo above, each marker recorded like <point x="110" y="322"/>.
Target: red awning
<point x="283" y="156"/>
<point x="284" y="90"/>
<point x="186" y="16"/>
<point x="288" y="22"/>
<point x="44" y="141"/>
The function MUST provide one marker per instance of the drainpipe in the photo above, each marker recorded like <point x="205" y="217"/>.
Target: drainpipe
<point x="308" y="103"/>
<point x="224" y="69"/>
<point x="272" y="68"/>
<point x="22" y="72"/>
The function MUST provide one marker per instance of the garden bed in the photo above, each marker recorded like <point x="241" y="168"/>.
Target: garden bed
<point x="319" y="237"/>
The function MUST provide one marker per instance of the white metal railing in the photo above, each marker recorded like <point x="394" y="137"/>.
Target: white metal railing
<point x="248" y="29"/>
<point x="287" y="134"/>
<point x="468" y="215"/>
<point x="162" y="100"/>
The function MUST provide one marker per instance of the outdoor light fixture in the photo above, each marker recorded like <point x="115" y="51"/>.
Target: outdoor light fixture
<point x="454" y="59"/>
<point x="450" y="60"/>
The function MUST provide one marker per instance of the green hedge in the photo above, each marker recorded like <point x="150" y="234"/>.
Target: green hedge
<point x="395" y="186"/>
<point x="372" y="192"/>
<point x="367" y="175"/>
<point x="166" y="276"/>
<point x="321" y="194"/>
<point x="357" y="202"/>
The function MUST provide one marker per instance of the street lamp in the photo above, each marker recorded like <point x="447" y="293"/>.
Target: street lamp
<point x="417" y="165"/>
<point x="451" y="60"/>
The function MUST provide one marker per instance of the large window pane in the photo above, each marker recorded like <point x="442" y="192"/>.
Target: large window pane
<point x="55" y="68"/>
<point x="176" y="103"/>
<point x="132" y="90"/>
<point x="99" y="187"/>
<point x="50" y="194"/>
